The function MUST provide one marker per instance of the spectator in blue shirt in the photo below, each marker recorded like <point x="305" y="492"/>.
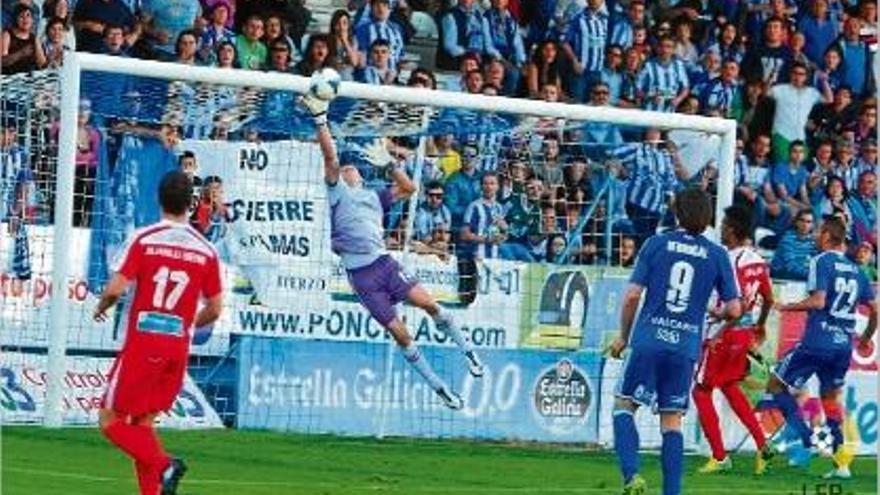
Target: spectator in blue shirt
<point x="584" y="44"/>
<point x="378" y="70"/>
<point x="503" y="42"/>
<point x="863" y="208"/>
<point x="216" y="32"/>
<point x="463" y="186"/>
<point x="612" y="73"/>
<point x="858" y="72"/>
<point x="484" y="227"/>
<point x="792" y="257"/>
<point x="785" y="193"/>
<point x="723" y="91"/>
<point x="164" y="20"/>
<point x="622" y="31"/>
<point x="663" y="82"/>
<point x="461" y="32"/>
<point x="380" y="27"/>
<point x="818" y="30"/>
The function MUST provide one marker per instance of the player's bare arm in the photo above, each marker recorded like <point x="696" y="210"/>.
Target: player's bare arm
<point x="816" y="300"/>
<point x="868" y="334"/>
<point x="210" y="312"/>
<point x="328" y="150"/>
<point x="402" y="186"/>
<point x="112" y="292"/>
<point x="627" y="316"/>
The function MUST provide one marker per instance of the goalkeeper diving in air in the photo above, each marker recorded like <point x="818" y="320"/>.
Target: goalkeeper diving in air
<point x="357" y="237"/>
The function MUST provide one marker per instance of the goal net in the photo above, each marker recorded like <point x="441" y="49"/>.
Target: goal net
<point x="294" y="349"/>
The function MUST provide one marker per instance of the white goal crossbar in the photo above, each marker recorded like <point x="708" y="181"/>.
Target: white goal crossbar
<point x="76" y="63"/>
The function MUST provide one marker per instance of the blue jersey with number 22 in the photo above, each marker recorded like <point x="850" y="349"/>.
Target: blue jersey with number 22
<point x="679" y="271"/>
<point x="830" y="329"/>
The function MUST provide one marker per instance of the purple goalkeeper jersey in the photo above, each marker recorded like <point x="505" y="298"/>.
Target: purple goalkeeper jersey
<point x="356" y="231"/>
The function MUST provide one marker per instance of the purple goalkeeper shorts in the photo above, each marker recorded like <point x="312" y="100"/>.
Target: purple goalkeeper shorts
<point x="380" y="285"/>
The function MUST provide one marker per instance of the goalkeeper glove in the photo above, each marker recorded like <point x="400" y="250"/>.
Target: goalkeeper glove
<point x="377" y="155"/>
<point x="316" y="107"/>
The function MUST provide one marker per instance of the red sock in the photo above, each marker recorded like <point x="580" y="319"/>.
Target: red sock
<point x="743" y="409"/>
<point x="148" y="478"/>
<point x="709" y="420"/>
<point x="139" y="442"/>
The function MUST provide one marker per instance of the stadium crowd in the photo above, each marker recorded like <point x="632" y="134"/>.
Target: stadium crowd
<point x="795" y="74"/>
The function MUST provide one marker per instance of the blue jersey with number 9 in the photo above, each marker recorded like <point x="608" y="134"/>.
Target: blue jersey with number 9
<point x="830" y="329"/>
<point x="679" y="271"/>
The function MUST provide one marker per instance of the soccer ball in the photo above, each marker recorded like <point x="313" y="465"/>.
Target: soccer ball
<point x="823" y="440"/>
<point x="324" y="84"/>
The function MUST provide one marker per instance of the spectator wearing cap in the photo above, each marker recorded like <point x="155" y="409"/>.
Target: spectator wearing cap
<point x="378" y="70"/>
<point x="504" y="43"/>
<point x="663" y="82"/>
<point x="862" y="205"/>
<point x="792" y="257"/>
<point x="379" y="27"/>
<point x="819" y="30"/>
<point x="622" y="31"/>
<point x="463" y="186"/>
<point x="858" y="71"/>
<point x="20" y="48"/>
<point x="584" y="44"/>
<point x="164" y="20"/>
<point x="794" y="102"/>
<point x="653" y="178"/>
<point x="771" y="58"/>
<point x="217" y="31"/>
<point x="461" y="32"/>
<point x="724" y="90"/>
<point x="252" y="52"/>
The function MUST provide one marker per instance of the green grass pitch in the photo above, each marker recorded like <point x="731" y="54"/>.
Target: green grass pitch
<point x="36" y="461"/>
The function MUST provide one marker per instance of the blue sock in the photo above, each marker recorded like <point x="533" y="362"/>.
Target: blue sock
<point x="836" y="432"/>
<point x="626" y="443"/>
<point x="789" y="408"/>
<point x="672" y="459"/>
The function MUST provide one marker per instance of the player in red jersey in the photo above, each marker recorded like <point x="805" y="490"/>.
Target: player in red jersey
<point x="725" y="355"/>
<point x="172" y="267"/>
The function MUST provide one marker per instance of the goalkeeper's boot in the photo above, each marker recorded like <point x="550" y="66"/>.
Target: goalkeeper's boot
<point x="762" y="460"/>
<point x="713" y="465"/>
<point x="800" y="456"/>
<point x="171" y="476"/>
<point x="636" y="486"/>
<point x="475" y="365"/>
<point x="450" y="399"/>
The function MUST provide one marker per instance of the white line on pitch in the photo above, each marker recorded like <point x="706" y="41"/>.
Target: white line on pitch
<point x="366" y="488"/>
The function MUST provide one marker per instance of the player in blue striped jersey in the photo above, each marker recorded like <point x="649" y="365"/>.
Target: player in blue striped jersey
<point x="663" y="82"/>
<point x="836" y="286"/>
<point x="676" y="272"/>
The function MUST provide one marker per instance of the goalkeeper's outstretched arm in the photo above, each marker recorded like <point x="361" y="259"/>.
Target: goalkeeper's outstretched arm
<point x="328" y="150"/>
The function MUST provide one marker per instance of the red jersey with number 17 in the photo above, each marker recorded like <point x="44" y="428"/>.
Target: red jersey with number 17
<point x="753" y="276"/>
<point x="172" y="266"/>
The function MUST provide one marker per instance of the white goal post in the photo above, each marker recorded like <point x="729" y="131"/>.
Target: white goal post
<point x="76" y="63"/>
